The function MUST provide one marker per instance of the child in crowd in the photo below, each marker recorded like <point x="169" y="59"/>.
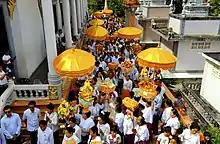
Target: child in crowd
<point x="70" y="137"/>
<point x="164" y="138"/>
<point x="114" y="137"/>
<point x="207" y="137"/>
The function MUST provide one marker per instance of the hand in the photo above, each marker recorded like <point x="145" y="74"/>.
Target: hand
<point x="6" y="73"/>
<point x="14" y="137"/>
<point x="134" y="131"/>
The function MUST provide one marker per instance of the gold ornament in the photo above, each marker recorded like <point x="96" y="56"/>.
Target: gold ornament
<point x="53" y="92"/>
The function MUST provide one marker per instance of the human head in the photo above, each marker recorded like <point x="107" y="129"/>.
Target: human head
<point x="50" y="108"/>
<point x="167" y="131"/>
<point x="158" y="89"/>
<point x="72" y="122"/>
<point x="175" y="140"/>
<point x="140" y="121"/>
<point x="86" y="114"/>
<point x="93" y="131"/>
<point x="7" y="110"/>
<point x="127" y="77"/>
<point x="43" y="125"/>
<point x="194" y="127"/>
<point x="174" y="113"/>
<point x="207" y="135"/>
<point x="114" y="130"/>
<point x="31" y="105"/>
<point x="169" y="103"/>
<point x="69" y="131"/>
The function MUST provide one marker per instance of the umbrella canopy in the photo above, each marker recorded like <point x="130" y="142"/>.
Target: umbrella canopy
<point x="97" y="33"/>
<point x="129" y="32"/>
<point x="74" y="63"/>
<point x="98" y="14"/>
<point x="96" y="22"/>
<point x="157" y="58"/>
<point x="107" y="11"/>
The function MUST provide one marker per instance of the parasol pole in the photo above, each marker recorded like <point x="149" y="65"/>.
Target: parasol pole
<point x="106" y="5"/>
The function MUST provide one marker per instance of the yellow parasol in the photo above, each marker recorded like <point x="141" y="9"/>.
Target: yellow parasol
<point x="129" y="32"/>
<point x="107" y="11"/>
<point x="98" y="14"/>
<point x="157" y="58"/>
<point x="96" y="22"/>
<point x="74" y="63"/>
<point x="97" y="33"/>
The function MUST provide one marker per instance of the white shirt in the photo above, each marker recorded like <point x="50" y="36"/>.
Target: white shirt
<point x="45" y="137"/>
<point x="95" y="110"/>
<point x="77" y="132"/>
<point x="148" y="114"/>
<point x="104" y="130"/>
<point x="111" y="140"/>
<point x="4" y="81"/>
<point x="128" y="125"/>
<point x="166" y="114"/>
<point x="188" y="138"/>
<point x="85" y="125"/>
<point x="142" y="132"/>
<point x="127" y="84"/>
<point x="119" y="119"/>
<point x="163" y="139"/>
<point x="32" y="119"/>
<point x="54" y="121"/>
<point x="97" y="139"/>
<point x="173" y="123"/>
<point x="6" y="58"/>
<point x="69" y="139"/>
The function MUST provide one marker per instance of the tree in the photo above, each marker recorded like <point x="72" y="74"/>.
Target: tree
<point x="117" y="7"/>
<point x="215" y="7"/>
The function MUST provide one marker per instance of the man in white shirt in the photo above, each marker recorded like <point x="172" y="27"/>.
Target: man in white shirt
<point x="31" y="117"/>
<point x="11" y="126"/>
<point x="52" y="120"/>
<point x="7" y="59"/>
<point x="78" y="131"/>
<point x="45" y="134"/>
<point x="3" y="81"/>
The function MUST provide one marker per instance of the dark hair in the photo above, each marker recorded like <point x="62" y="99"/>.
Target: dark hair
<point x="194" y="125"/>
<point x="43" y="122"/>
<point x="176" y="138"/>
<point x="169" y="103"/>
<point x="118" y="109"/>
<point x="7" y="107"/>
<point x="114" y="128"/>
<point x="72" y="119"/>
<point x="94" y="129"/>
<point x="142" y="121"/>
<point x="167" y="129"/>
<point x="50" y="106"/>
<point x="206" y="133"/>
<point x="95" y="79"/>
<point x="175" y="112"/>
<point x="88" y="114"/>
<point x="158" y="89"/>
<point x="70" y="130"/>
<point x="32" y="103"/>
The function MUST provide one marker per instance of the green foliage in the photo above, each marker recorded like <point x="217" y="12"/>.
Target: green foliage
<point x="215" y="7"/>
<point x="215" y="133"/>
<point x="117" y="7"/>
<point x="95" y="5"/>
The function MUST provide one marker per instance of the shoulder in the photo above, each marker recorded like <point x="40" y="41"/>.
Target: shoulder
<point x="16" y="115"/>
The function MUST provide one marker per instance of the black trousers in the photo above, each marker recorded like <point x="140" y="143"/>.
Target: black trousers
<point x="156" y="119"/>
<point x="85" y="139"/>
<point x="33" y="136"/>
<point x="17" y="141"/>
<point x="56" y="137"/>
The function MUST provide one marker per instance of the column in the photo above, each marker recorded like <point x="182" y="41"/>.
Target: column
<point x="74" y="18"/>
<point x="82" y="12"/>
<point x="67" y="25"/>
<point x="78" y="10"/>
<point x="50" y="40"/>
<point x="59" y="15"/>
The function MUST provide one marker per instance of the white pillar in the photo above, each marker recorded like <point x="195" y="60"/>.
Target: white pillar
<point x="59" y="15"/>
<point x="82" y="12"/>
<point x="67" y="25"/>
<point x="50" y="38"/>
<point x="78" y="10"/>
<point x="74" y="18"/>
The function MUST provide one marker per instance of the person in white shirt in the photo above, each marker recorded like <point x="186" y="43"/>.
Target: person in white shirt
<point x="148" y="113"/>
<point x="93" y="137"/>
<point x="127" y="84"/>
<point x="164" y="138"/>
<point x="114" y="137"/>
<point x="191" y="136"/>
<point x="128" y="126"/>
<point x="173" y="121"/>
<point x="103" y="128"/>
<point x="31" y="117"/>
<point x="45" y="134"/>
<point x="85" y="124"/>
<point x="78" y="131"/>
<point x="119" y="118"/>
<point x="3" y="81"/>
<point x="11" y="126"/>
<point x="141" y="131"/>
<point x="52" y="118"/>
<point x="2" y="137"/>
<point x="96" y="108"/>
<point x="166" y="112"/>
<point x="70" y="137"/>
<point x="8" y="60"/>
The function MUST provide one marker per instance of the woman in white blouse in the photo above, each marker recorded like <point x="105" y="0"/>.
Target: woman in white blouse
<point x="173" y="121"/>
<point x="93" y="137"/>
<point x="103" y="127"/>
<point x="127" y="84"/>
<point x="114" y="137"/>
<point x="141" y="131"/>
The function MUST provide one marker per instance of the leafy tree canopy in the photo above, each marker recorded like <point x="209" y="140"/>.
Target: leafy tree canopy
<point x="215" y="7"/>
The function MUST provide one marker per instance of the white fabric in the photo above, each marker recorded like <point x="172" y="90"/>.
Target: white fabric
<point x="128" y="125"/>
<point x="45" y="137"/>
<point x="127" y="84"/>
<point x="166" y="114"/>
<point x="54" y="120"/>
<point x="4" y="81"/>
<point x="163" y="139"/>
<point x="97" y="139"/>
<point x="32" y="119"/>
<point x="6" y="58"/>
<point x="174" y="124"/>
<point x="85" y="125"/>
<point x="116" y="140"/>
<point x="142" y="132"/>
<point x="73" y="137"/>
<point x="188" y="138"/>
<point x="119" y="119"/>
<point x="148" y="114"/>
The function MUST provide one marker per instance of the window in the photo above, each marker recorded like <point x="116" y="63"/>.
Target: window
<point x="201" y="45"/>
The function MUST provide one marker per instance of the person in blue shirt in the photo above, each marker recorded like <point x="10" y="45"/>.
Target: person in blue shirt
<point x="11" y="126"/>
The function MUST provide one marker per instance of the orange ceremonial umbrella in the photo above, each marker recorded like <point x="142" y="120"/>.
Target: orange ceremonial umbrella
<point x="107" y="11"/>
<point x="129" y="32"/>
<point x="96" y="22"/>
<point x="74" y="63"/>
<point x="98" y="14"/>
<point x="97" y="33"/>
<point x="157" y="58"/>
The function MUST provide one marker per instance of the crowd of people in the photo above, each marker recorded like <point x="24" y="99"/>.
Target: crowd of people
<point x="156" y="120"/>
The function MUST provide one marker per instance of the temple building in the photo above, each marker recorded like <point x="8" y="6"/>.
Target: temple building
<point x="188" y="35"/>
